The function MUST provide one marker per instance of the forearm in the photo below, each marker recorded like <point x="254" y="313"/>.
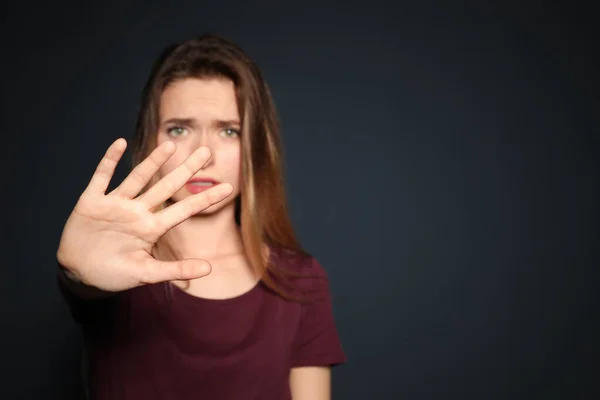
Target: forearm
<point x="310" y="383"/>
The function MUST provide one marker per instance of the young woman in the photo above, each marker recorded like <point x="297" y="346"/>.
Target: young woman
<point x="187" y="278"/>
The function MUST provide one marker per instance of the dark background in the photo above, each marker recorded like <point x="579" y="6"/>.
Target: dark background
<point x="441" y="161"/>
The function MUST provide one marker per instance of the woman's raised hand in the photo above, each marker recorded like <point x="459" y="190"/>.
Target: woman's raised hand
<point x="107" y="240"/>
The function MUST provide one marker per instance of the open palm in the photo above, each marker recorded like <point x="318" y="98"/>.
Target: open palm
<point x="107" y="240"/>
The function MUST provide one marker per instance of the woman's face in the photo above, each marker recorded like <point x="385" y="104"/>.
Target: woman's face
<point x="202" y="112"/>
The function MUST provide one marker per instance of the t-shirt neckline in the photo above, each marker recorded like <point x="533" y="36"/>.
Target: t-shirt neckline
<point x="193" y="300"/>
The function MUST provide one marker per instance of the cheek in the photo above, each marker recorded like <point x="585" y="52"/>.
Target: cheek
<point x="234" y="164"/>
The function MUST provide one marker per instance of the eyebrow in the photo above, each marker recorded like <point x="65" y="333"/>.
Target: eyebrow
<point x="192" y="122"/>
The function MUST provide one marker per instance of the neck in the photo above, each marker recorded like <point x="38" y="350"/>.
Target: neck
<point x="206" y="236"/>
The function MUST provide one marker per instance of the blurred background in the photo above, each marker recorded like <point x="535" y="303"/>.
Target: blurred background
<point x="441" y="161"/>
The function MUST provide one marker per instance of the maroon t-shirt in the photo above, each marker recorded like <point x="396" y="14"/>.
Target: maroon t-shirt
<point x="159" y="342"/>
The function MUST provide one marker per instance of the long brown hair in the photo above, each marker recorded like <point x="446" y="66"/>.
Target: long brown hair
<point x="261" y="209"/>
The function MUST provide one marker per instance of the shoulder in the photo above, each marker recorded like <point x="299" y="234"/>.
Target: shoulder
<point x="316" y="341"/>
<point x="296" y="262"/>
<point x="300" y="272"/>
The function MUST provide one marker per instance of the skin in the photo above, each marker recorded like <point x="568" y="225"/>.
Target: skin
<point x="106" y="244"/>
<point x="311" y="383"/>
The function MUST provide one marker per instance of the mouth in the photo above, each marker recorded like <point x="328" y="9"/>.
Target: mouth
<point x="202" y="181"/>
<point x="197" y="185"/>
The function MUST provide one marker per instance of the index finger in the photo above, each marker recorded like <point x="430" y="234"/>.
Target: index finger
<point x="106" y="168"/>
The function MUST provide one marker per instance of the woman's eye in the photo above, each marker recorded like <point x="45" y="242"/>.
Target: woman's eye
<point x="176" y="131"/>
<point x="231" y="132"/>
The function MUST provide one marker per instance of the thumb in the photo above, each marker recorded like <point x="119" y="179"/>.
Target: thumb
<point x="160" y="271"/>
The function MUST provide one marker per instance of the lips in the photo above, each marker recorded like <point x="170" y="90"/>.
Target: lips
<point x="197" y="185"/>
<point x="203" y="181"/>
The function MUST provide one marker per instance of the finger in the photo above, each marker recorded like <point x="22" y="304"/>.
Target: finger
<point x="170" y="184"/>
<point x="154" y="271"/>
<point x="106" y="168"/>
<point x="142" y="173"/>
<point x="182" y="210"/>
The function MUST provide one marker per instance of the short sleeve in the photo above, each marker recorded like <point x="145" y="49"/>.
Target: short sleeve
<point x="317" y="341"/>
